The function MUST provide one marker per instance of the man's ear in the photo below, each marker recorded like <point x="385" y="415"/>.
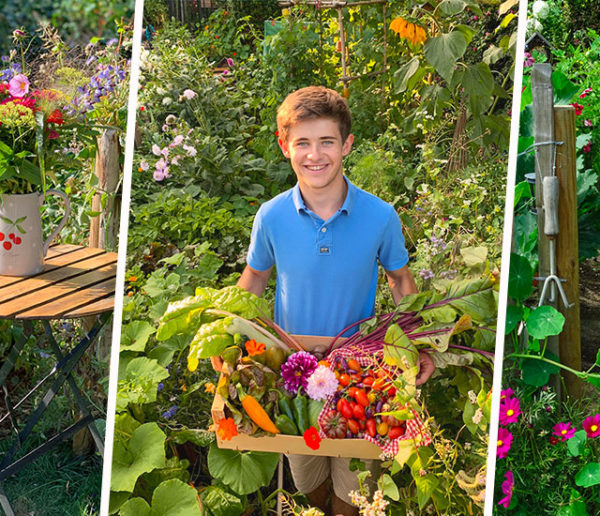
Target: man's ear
<point x="347" y="145"/>
<point x="284" y="147"/>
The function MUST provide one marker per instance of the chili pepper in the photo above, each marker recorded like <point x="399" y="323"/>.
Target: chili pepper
<point x="300" y="404"/>
<point x="286" y="425"/>
<point x="256" y="412"/>
<point x="285" y="406"/>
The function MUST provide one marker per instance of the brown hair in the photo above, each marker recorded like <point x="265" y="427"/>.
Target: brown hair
<point x="311" y="103"/>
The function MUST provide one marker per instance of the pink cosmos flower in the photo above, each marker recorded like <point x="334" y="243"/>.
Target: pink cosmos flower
<point x="506" y="393"/>
<point x="176" y="141"/>
<point x="587" y="148"/>
<point x="144" y="165"/>
<point x="564" y="430"/>
<point x="529" y="60"/>
<point x="158" y="175"/>
<point x="585" y="93"/>
<point x="18" y="86"/>
<point x="321" y="384"/>
<point x="591" y="425"/>
<point x="191" y="151"/>
<point x="504" y="442"/>
<point x="510" y="411"/>
<point x="507" y="489"/>
<point x="578" y="108"/>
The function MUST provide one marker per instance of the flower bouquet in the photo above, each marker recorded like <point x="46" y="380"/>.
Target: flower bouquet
<point x="363" y="388"/>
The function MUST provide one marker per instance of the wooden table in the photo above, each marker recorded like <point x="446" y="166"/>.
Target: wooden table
<point x="76" y="282"/>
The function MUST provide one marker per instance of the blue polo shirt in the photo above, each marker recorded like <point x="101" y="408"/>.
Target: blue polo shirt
<point x="326" y="270"/>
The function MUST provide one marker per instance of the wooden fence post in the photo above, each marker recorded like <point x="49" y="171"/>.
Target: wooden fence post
<point x="543" y="123"/>
<point x="567" y="241"/>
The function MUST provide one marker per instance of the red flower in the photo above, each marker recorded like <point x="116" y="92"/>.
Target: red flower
<point x="52" y="135"/>
<point x="312" y="438"/>
<point x="4" y="87"/>
<point x="276" y="133"/>
<point x="142" y="108"/>
<point x="234" y="54"/>
<point x="578" y="108"/>
<point x="227" y="429"/>
<point x="587" y="148"/>
<point x="255" y="348"/>
<point x="553" y="440"/>
<point x="56" y="117"/>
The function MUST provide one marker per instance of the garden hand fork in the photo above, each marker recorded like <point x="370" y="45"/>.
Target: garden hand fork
<point x="552" y="281"/>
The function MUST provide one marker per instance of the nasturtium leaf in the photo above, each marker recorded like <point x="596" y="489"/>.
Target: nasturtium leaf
<point x="135" y="334"/>
<point x="545" y="321"/>
<point x="163" y="352"/>
<point x="175" y="498"/>
<point x="139" y="382"/>
<point x="117" y="499"/>
<point x="389" y="487"/>
<point x="218" y="502"/>
<point x="514" y="315"/>
<point x="576" y="444"/>
<point x="444" y="50"/>
<point x="562" y="88"/>
<point x="537" y="372"/>
<point x="575" y="508"/>
<point x="404" y="73"/>
<point x="426" y="485"/>
<point x="406" y="447"/>
<point x="522" y="191"/>
<point x="135" y="507"/>
<point x="520" y="278"/>
<point x="244" y="472"/>
<point x="474" y="256"/>
<point x="589" y="475"/>
<point x="399" y="350"/>
<point x="142" y="453"/>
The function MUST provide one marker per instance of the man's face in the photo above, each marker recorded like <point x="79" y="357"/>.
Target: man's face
<point x="315" y="150"/>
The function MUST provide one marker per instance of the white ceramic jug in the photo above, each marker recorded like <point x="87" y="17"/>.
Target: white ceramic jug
<point x="22" y="248"/>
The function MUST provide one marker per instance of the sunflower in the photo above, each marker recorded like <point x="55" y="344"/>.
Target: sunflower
<point x="412" y="32"/>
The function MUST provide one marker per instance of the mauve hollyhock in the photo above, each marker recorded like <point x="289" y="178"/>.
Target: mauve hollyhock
<point x="591" y="425"/>
<point x="296" y="370"/>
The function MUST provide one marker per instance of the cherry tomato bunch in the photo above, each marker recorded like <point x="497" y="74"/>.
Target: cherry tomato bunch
<point x="363" y="394"/>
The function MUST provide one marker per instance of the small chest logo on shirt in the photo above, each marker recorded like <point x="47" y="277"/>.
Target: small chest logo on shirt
<point x="324" y="250"/>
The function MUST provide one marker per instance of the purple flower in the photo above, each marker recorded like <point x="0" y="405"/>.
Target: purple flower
<point x="229" y="62"/>
<point x="564" y="430"/>
<point x="507" y="489"/>
<point x="426" y="273"/>
<point x="296" y="370"/>
<point x="160" y="387"/>
<point x="171" y="412"/>
<point x="504" y="442"/>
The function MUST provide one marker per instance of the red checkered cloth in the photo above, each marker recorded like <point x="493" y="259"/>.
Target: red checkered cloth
<point x="415" y="428"/>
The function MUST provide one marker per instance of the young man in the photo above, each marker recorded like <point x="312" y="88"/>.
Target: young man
<point x="325" y="238"/>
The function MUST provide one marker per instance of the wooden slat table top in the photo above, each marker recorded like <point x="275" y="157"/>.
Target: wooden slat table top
<point x="76" y="282"/>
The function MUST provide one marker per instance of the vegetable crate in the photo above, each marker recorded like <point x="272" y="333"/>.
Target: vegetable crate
<point x="291" y="444"/>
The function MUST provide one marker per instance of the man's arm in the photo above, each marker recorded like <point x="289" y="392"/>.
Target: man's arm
<point x="402" y="282"/>
<point x="253" y="281"/>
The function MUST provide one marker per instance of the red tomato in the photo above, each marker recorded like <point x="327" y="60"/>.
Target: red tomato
<point x="371" y="427"/>
<point x="395" y="432"/>
<point x="344" y="408"/>
<point x="362" y="398"/>
<point x="353" y="364"/>
<point x="358" y="412"/>
<point x="344" y="379"/>
<point x="368" y="381"/>
<point x="353" y="426"/>
<point x="362" y="423"/>
<point x="352" y="391"/>
<point x="378" y="384"/>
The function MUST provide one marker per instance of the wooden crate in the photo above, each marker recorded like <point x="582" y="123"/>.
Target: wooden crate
<point x="292" y="444"/>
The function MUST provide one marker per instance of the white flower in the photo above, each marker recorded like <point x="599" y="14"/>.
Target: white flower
<point x="191" y="151"/>
<point x="156" y="150"/>
<point x="188" y="94"/>
<point x="166" y="101"/>
<point x="534" y="25"/>
<point x="540" y="9"/>
<point x="176" y="141"/>
<point x="160" y="91"/>
<point x="477" y="416"/>
<point x="321" y="384"/>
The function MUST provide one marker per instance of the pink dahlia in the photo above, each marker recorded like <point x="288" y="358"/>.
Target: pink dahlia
<point x="510" y="411"/>
<point x="507" y="489"/>
<point x="296" y="370"/>
<point x="504" y="442"/>
<point x="321" y="384"/>
<point x="591" y="425"/>
<point x="564" y="430"/>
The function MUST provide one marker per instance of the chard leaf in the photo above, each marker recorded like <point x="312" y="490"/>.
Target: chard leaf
<point x="400" y="351"/>
<point x="210" y="340"/>
<point x="474" y="298"/>
<point x="241" y="302"/>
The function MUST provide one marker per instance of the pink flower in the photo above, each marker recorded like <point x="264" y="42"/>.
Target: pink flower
<point x="296" y="370"/>
<point x="507" y="489"/>
<point x="229" y="62"/>
<point x="176" y="141"/>
<point x="156" y="150"/>
<point x="529" y="60"/>
<point x="591" y="425"/>
<point x="506" y="393"/>
<point x="578" y="108"/>
<point x="188" y="94"/>
<point x="321" y="384"/>
<point x="585" y="93"/>
<point x="504" y="442"/>
<point x="587" y="148"/>
<point x="191" y="151"/>
<point x="509" y="411"/>
<point x="18" y="86"/>
<point x="587" y="122"/>
<point x="144" y="165"/>
<point x="564" y="430"/>
<point x="158" y="175"/>
<point x="52" y="134"/>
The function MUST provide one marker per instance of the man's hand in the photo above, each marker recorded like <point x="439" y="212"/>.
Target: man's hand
<point x="426" y="368"/>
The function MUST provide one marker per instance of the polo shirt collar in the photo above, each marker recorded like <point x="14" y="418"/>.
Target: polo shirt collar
<point x="346" y="206"/>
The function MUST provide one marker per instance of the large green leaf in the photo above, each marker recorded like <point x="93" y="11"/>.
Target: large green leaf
<point x="135" y="507"/>
<point x="520" y="278"/>
<point x="449" y="8"/>
<point x="139" y="382"/>
<point x="218" y="502"/>
<point x="563" y="88"/>
<point x="444" y="50"/>
<point x="240" y="302"/>
<point x="576" y="444"/>
<point x="211" y="339"/>
<point x="545" y="321"/>
<point x="142" y="453"/>
<point x="399" y="350"/>
<point x="175" y="498"/>
<point x="474" y="298"/>
<point x="589" y="475"/>
<point x="135" y="334"/>
<point x="404" y="73"/>
<point x="478" y="84"/>
<point x="426" y="485"/>
<point x="514" y="314"/>
<point x="244" y="472"/>
<point x="537" y="372"/>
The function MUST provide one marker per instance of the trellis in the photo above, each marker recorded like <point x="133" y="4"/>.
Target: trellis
<point x="339" y="6"/>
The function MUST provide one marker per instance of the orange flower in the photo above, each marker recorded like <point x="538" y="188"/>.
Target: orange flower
<point x="412" y="32"/>
<point x="209" y="387"/>
<point x="227" y="429"/>
<point x="132" y="279"/>
<point x="312" y="438"/>
<point x="255" y="348"/>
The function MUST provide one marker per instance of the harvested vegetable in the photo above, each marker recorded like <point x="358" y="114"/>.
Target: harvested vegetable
<point x="256" y="412"/>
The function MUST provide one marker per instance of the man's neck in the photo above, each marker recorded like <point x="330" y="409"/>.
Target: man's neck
<point x="327" y="201"/>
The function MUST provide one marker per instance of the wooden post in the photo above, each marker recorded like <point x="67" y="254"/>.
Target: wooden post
<point x="567" y="245"/>
<point x="543" y="123"/>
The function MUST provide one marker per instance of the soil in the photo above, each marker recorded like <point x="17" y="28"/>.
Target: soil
<point x="589" y="298"/>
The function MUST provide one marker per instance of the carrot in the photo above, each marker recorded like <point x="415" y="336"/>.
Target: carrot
<point x="256" y="412"/>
